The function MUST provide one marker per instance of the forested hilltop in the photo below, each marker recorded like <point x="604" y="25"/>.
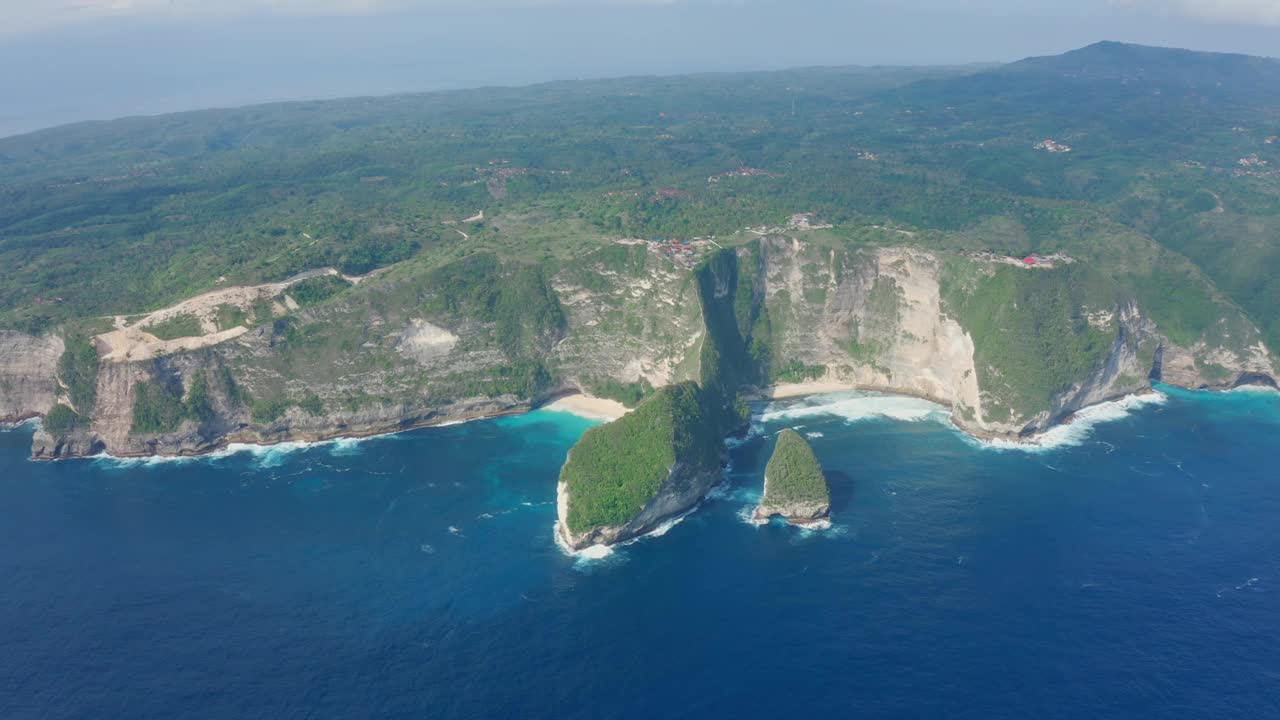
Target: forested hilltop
<point x="1016" y="242"/>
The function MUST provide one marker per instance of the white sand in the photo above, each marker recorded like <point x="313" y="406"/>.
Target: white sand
<point x="586" y="406"/>
<point x="815" y="387"/>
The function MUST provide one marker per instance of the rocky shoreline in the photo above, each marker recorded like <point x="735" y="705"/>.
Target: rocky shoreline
<point x="85" y="444"/>
<point x="681" y="494"/>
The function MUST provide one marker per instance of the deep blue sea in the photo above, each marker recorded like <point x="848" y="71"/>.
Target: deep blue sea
<point x="1132" y="571"/>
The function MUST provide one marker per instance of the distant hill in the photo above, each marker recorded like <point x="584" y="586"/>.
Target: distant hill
<point x="1240" y="78"/>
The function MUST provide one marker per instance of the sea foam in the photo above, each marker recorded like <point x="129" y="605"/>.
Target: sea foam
<point x="856" y="407"/>
<point x="1081" y="426"/>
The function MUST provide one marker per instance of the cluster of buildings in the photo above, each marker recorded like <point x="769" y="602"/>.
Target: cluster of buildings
<point x="1050" y="145"/>
<point x="684" y="253"/>
<point x="1253" y="166"/>
<point x="1033" y="261"/>
<point x="804" y="221"/>
<point x="740" y="172"/>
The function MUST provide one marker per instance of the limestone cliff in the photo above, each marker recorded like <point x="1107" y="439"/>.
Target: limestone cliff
<point x="626" y="478"/>
<point x="1012" y="350"/>
<point x="682" y="490"/>
<point x="795" y="488"/>
<point x="904" y="320"/>
<point x="28" y="375"/>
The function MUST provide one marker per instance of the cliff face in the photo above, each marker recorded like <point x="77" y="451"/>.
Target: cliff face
<point x="903" y="320"/>
<point x="681" y="492"/>
<point x="421" y="345"/>
<point x="872" y="318"/>
<point x="632" y="316"/>
<point x="626" y="478"/>
<point x="28" y="375"/>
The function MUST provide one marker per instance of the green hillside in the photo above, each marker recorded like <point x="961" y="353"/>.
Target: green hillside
<point x="131" y="215"/>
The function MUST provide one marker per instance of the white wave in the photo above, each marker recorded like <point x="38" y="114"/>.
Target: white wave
<point x="856" y="407"/>
<point x="753" y="431"/>
<point x="270" y="455"/>
<point x="816" y="527"/>
<point x="664" y="528"/>
<point x="1255" y="389"/>
<point x="111" y="462"/>
<point x="814" y="434"/>
<point x="346" y="446"/>
<point x="595" y="552"/>
<point x="1081" y="426"/>
<point x="587" y="555"/>
<point x="747" y="514"/>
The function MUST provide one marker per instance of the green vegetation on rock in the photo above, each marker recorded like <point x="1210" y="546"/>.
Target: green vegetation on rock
<point x="316" y="290"/>
<point x="156" y="409"/>
<point x="1031" y="331"/>
<point x="62" y="419"/>
<point x="178" y="326"/>
<point x="78" y="370"/>
<point x="617" y="468"/>
<point x="629" y="394"/>
<point x="793" y="475"/>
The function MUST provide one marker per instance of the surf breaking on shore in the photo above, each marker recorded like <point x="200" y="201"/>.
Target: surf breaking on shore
<point x="858" y="407"/>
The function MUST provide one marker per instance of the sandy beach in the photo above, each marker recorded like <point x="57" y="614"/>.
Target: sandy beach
<point x="816" y="387"/>
<point x="589" y="407"/>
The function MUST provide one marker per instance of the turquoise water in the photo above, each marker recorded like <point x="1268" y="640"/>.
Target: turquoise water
<point x="1132" y="571"/>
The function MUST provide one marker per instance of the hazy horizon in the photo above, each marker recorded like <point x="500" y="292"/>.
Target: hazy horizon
<point x="140" y="57"/>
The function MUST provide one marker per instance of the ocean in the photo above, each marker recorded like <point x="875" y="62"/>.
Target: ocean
<point x="1130" y="570"/>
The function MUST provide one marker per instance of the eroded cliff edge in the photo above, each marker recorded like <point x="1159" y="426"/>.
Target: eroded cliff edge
<point x="1012" y="350"/>
<point x="628" y="477"/>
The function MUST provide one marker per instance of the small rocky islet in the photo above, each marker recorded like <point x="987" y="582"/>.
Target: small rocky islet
<point x="795" y="488"/>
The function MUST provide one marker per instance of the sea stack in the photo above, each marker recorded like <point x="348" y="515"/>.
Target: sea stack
<point x="626" y="478"/>
<point x="794" y="486"/>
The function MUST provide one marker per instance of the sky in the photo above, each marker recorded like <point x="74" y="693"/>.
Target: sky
<point x="71" y="60"/>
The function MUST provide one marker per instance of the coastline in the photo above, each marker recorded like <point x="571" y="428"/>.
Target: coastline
<point x="605" y="410"/>
<point x="579" y="404"/>
<point x="784" y="391"/>
<point x="235" y="443"/>
<point x="587" y="406"/>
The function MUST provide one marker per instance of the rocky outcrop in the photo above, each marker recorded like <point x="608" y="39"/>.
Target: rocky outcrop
<point x="795" y="513"/>
<point x="1215" y="367"/>
<point x="28" y="374"/>
<point x="795" y="488"/>
<point x="626" y="478"/>
<point x="683" y="489"/>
